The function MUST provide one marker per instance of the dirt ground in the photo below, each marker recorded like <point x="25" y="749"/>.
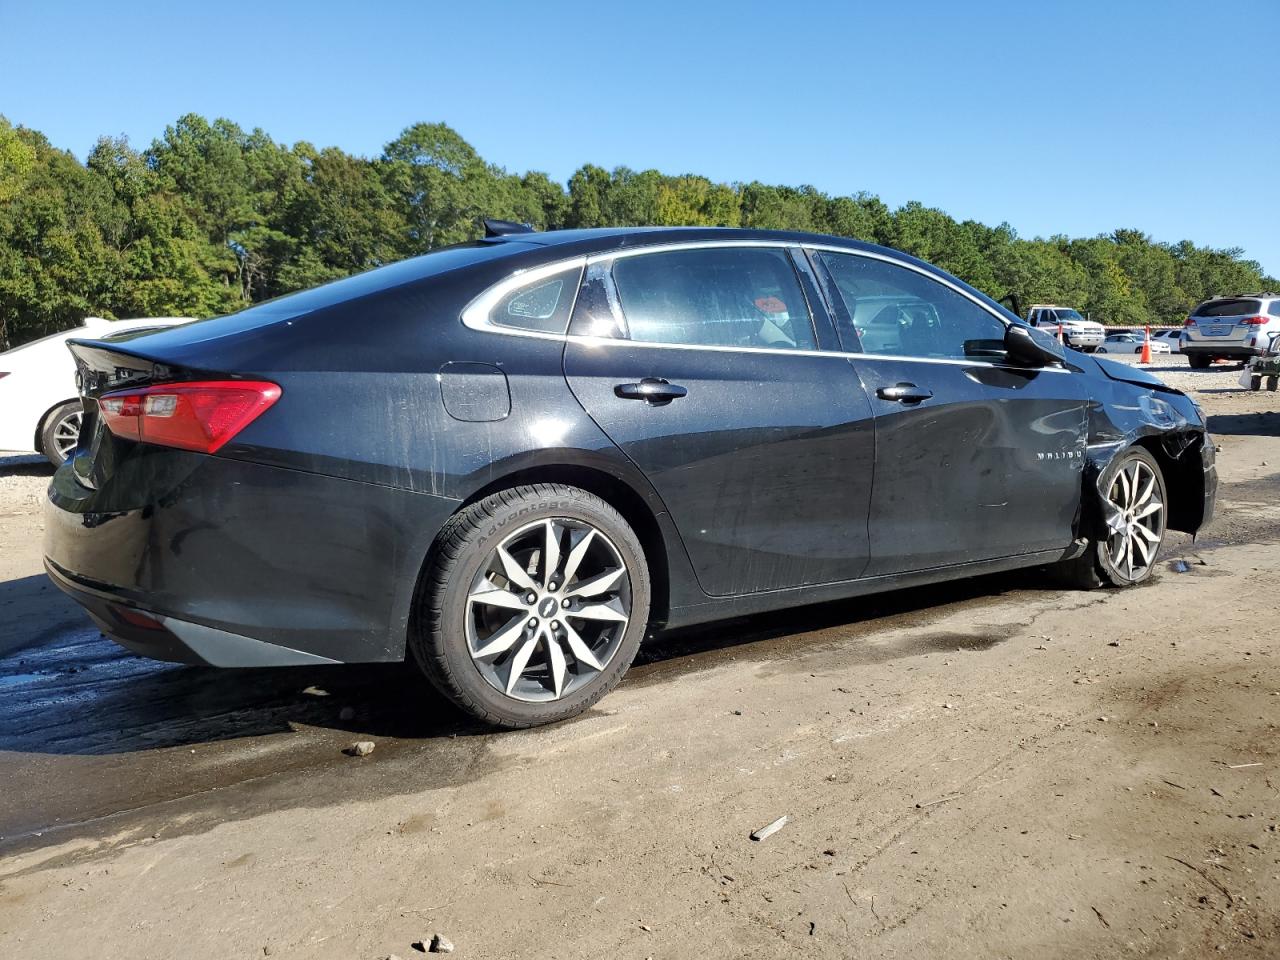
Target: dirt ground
<point x="986" y="769"/>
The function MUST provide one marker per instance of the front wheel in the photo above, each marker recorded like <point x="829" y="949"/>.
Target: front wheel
<point x="534" y="606"/>
<point x="61" y="432"/>
<point x="1133" y="510"/>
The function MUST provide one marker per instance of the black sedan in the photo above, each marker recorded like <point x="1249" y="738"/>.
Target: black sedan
<point x="510" y="460"/>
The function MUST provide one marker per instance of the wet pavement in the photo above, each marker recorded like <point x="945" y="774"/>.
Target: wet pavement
<point x="90" y="732"/>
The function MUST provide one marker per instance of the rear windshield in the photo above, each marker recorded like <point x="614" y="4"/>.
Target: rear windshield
<point x="1229" y="308"/>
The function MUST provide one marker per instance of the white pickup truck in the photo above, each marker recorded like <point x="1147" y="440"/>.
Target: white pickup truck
<point x="1077" y="332"/>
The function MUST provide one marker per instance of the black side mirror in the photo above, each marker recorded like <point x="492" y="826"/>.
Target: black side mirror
<point x="1028" y="347"/>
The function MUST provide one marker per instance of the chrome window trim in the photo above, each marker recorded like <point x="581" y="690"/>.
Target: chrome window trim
<point x="690" y="245"/>
<point x="837" y="354"/>
<point x="475" y="315"/>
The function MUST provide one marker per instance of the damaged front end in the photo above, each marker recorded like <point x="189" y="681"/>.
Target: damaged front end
<point x="1136" y="409"/>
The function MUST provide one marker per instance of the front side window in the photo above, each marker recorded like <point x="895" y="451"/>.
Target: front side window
<point x="719" y="297"/>
<point x="900" y="312"/>
<point x="541" y="305"/>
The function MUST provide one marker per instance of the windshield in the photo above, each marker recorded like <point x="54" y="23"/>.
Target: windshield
<point x="1229" y="308"/>
<point x="1069" y="315"/>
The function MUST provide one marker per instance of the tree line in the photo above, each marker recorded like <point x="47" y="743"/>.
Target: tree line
<point x="210" y="218"/>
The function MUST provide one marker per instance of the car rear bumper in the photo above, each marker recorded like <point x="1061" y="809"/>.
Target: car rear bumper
<point x="168" y="638"/>
<point x="1234" y="349"/>
<point x="1081" y="340"/>
<point x="201" y="559"/>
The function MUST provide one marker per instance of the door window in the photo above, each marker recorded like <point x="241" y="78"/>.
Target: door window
<point x="903" y="313"/>
<point x="720" y="297"/>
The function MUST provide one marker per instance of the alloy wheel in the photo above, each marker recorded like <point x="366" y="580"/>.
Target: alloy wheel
<point x="548" y="609"/>
<point x="1137" y="520"/>
<point x="66" y="433"/>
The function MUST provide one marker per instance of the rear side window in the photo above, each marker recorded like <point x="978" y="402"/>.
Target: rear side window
<point x="1274" y="309"/>
<point x="1229" y="308"/>
<point x="725" y="297"/>
<point x="542" y="305"/>
<point x="900" y="312"/>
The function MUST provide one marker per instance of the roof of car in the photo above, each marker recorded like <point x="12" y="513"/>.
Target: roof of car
<point x="618" y="237"/>
<point x="1259" y="295"/>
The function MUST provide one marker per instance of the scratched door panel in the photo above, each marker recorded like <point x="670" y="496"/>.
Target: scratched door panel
<point x="989" y="466"/>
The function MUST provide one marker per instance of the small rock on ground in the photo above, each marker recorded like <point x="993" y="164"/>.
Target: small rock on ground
<point x="361" y="748"/>
<point x="441" y="944"/>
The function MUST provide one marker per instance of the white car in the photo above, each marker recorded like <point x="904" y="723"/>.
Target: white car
<point x="1131" y="343"/>
<point x="39" y="402"/>
<point x="1169" y="337"/>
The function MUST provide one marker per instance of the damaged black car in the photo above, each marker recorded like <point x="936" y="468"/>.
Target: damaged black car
<point x="510" y="461"/>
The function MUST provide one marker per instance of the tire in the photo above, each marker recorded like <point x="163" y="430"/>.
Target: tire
<point x="1098" y="565"/>
<point x="1255" y="383"/>
<point x="460" y="614"/>
<point x="1198" y="361"/>
<point x="1272" y="384"/>
<point x="60" y="431"/>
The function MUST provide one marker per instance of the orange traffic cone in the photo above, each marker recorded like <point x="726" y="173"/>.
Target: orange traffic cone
<point x="1146" y="347"/>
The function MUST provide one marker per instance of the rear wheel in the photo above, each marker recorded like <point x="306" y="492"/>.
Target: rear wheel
<point x="61" y="432"/>
<point x="1133" y="509"/>
<point x="1198" y="361"/>
<point x="534" y="607"/>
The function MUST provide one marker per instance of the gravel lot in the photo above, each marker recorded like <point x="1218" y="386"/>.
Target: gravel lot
<point x="986" y="769"/>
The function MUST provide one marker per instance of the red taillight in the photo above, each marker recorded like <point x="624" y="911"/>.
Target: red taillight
<point x="3" y="374"/>
<point x="1189" y="322"/>
<point x="201" y="416"/>
<point x="1252" y="321"/>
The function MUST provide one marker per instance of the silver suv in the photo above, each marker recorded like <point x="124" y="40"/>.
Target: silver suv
<point x="1077" y="332"/>
<point x="1236" y="327"/>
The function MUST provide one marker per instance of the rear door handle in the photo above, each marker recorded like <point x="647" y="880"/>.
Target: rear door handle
<point x="651" y="389"/>
<point x="904" y="393"/>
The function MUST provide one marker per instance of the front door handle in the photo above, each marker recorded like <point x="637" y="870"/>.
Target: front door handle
<point x="651" y="389"/>
<point x="904" y="393"/>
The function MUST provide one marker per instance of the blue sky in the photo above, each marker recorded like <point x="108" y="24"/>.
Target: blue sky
<point x="1069" y="118"/>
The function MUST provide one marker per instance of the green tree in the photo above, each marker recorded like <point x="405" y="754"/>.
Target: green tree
<point x="211" y="218"/>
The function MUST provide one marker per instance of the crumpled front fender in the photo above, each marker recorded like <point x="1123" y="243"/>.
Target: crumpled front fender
<point x="1170" y="426"/>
